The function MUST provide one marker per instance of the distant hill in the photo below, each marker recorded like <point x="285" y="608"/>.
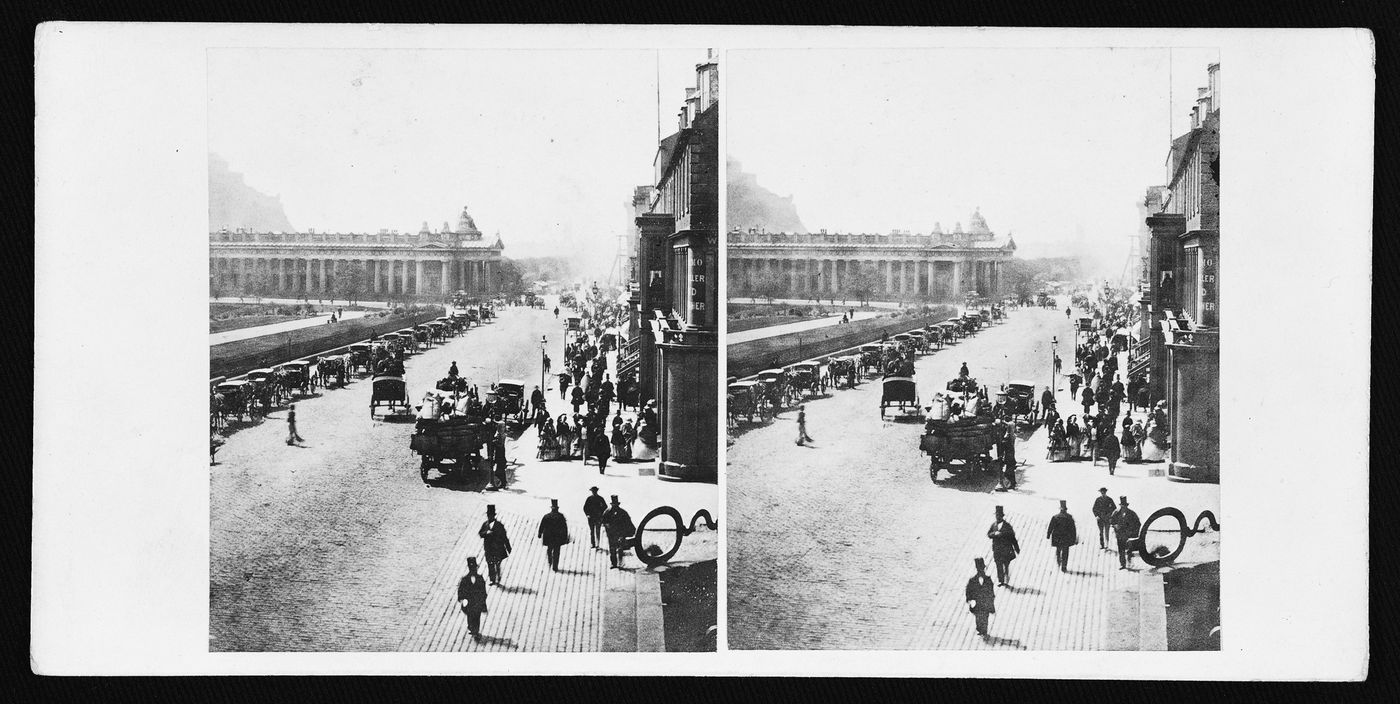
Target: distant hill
<point x="752" y="205"/>
<point x="234" y="204"/>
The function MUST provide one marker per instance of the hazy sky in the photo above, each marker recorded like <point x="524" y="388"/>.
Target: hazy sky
<point x="1050" y="143"/>
<point x="544" y="146"/>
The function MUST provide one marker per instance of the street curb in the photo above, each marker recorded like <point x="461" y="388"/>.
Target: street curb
<point x="1152" y="613"/>
<point x="651" y="623"/>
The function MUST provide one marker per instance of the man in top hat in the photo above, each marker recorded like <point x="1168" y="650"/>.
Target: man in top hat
<point x="981" y="597"/>
<point x="554" y="533"/>
<point x="494" y="543"/>
<point x="962" y="372"/>
<point x="452" y="370"/>
<point x="1062" y="535"/>
<point x="1126" y="527"/>
<point x="620" y="529"/>
<point x="1103" y="512"/>
<point x="1004" y="546"/>
<point x="593" y="507"/>
<point x="471" y="595"/>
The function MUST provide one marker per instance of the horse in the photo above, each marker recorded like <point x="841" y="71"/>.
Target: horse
<point x="216" y="411"/>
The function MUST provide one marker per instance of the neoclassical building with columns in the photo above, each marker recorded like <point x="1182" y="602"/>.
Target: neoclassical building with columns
<point x="429" y="265"/>
<point x="904" y="266"/>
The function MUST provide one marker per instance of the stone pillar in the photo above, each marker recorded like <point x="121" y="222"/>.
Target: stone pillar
<point x="957" y="279"/>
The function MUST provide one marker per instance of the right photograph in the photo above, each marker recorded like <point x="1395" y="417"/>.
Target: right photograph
<point x="972" y="335"/>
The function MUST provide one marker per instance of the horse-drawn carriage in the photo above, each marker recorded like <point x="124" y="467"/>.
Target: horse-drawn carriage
<point x="509" y="399"/>
<point x="843" y="370"/>
<point x="1021" y="402"/>
<point x="805" y="378"/>
<point x="871" y="356"/>
<point x="777" y="392"/>
<point x="918" y="341"/>
<point x="744" y="399"/>
<point x="901" y="394"/>
<point x="263" y="389"/>
<point x="451" y="443"/>
<point x="230" y="398"/>
<point x="959" y="445"/>
<point x="389" y="390"/>
<point x="361" y="358"/>
<point x="437" y="331"/>
<point x="422" y="336"/>
<point x="296" y="376"/>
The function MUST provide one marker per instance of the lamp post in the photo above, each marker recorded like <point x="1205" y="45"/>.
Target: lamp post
<point x="1054" y="355"/>
<point x="543" y="343"/>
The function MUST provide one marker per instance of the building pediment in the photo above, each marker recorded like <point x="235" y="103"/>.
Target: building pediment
<point x="433" y="245"/>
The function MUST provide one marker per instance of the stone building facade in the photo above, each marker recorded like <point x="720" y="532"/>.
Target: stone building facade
<point x="896" y="266"/>
<point x="428" y="265"/>
<point x="674" y="333"/>
<point x="1180" y="304"/>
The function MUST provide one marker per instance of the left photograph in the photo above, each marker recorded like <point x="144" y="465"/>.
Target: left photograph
<point x="463" y="350"/>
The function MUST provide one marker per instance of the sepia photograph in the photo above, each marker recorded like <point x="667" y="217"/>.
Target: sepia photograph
<point x="461" y="314"/>
<point x="973" y="349"/>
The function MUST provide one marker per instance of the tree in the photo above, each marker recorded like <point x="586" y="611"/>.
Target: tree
<point x="511" y="279"/>
<point x="350" y="281"/>
<point x="863" y="282"/>
<point x="769" y="285"/>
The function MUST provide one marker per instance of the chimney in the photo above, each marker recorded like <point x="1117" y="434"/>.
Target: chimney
<point x="707" y="82"/>
<point x="1213" y="71"/>
<point x="681" y="122"/>
<point x="692" y="103"/>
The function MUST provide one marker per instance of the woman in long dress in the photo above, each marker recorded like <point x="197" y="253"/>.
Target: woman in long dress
<point x="564" y="435"/>
<point x="549" y="446"/>
<point x="620" y="450"/>
<point x="1075" y="438"/>
<point x="1131" y="451"/>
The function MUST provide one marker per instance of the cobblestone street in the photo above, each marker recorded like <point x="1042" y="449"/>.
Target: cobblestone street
<point x="846" y="543"/>
<point x="336" y="544"/>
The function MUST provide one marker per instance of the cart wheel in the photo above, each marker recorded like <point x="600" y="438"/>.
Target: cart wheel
<point x="933" y="469"/>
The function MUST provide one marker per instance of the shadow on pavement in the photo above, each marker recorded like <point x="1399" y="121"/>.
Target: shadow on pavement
<point x="1023" y="590"/>
<point x="574" y="573"/>
<point x="1006" y="642"/>
<point x="515" y="590"/>
<point x="966" y="481"/>
<point x="459" y="481"/>
<point x="503" y="642"/>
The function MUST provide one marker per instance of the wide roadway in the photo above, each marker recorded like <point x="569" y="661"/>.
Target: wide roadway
<point x="337" y="544"/>
<point x="846" y="543"/>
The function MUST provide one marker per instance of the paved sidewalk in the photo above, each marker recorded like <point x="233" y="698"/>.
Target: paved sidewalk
<point x="734" y="338"/>
<point x="218" y="338"/>
<point x="1044" y="608"/>
<point x="534" y="609"/>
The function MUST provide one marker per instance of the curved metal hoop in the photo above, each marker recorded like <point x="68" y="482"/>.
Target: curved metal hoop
<point x="1185" y="532"/>
<point x="680" y="529"/>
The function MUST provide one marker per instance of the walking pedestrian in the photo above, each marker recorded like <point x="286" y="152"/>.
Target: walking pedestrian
<point x="471" y="595"/>
<point x="593" y="507"/>
<point x="1006" y="452"/>
<point x="1110" y="448"/>
<point x="1062" y="535"/>
<point x="1103" y="514"/>
<point x="554" y="533"/>
<point x="802" y="435"/>
<point x="1126" y="526"/>
<point x="495" y="543"/>
<point x="600" y="448"/>
<point x="981" y="597"/>
<point x="292" y="436"/>
<point x="1004" y="546"/>
<point x="618" y="524"/>
<point x="564" y="380"/>
<point x="1087" y="400"/>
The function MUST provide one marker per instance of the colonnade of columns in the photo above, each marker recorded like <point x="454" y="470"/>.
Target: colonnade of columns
<point x="317" y="275"/>
<point x="893" y="278"/>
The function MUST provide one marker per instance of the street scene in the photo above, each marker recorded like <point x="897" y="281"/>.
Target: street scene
<point x="997" y="434"/>
<point x="473" y="437"/>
